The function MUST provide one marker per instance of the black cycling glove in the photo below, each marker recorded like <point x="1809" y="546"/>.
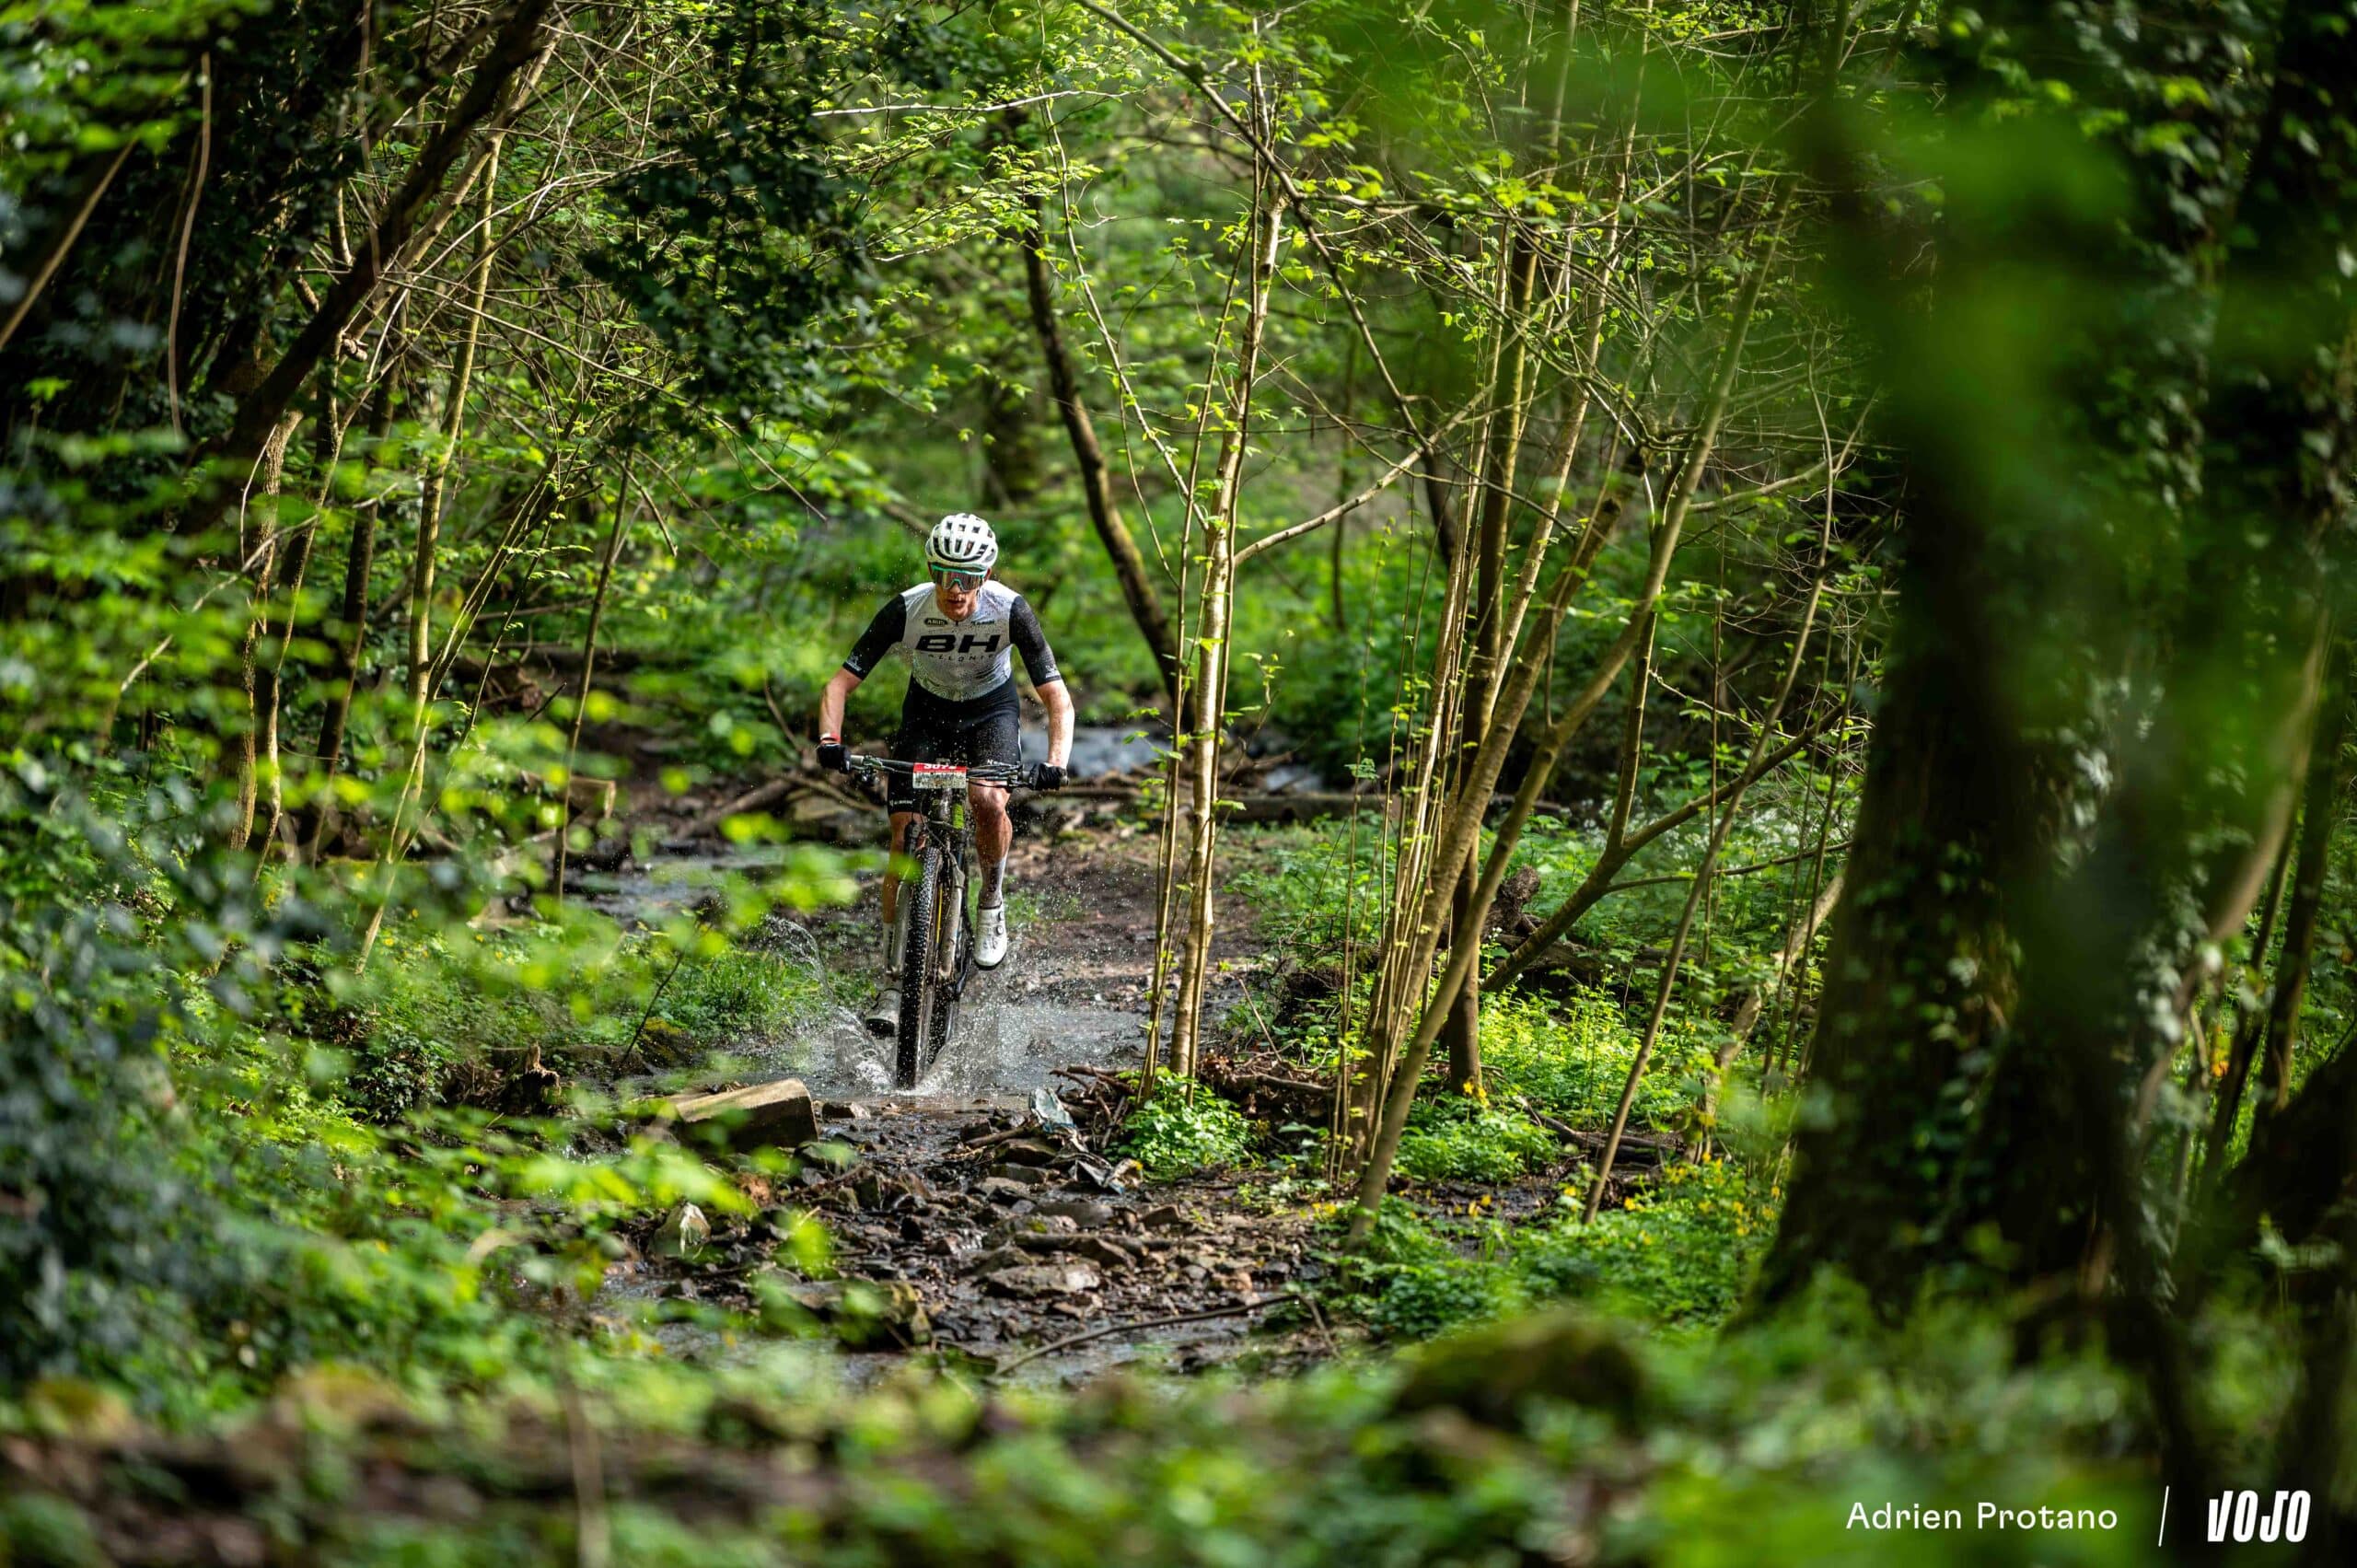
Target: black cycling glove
<point x="1053" y="776"/>
<point x="833" y="757"/>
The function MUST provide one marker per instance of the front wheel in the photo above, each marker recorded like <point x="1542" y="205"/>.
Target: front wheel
<point x="935" y="960"/>
<point x="918" y="964"/>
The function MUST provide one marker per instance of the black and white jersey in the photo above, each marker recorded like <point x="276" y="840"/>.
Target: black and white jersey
<point x="957" y="660"/>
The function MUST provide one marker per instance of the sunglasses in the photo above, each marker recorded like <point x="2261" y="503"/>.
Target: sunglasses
<point x="946" y="579"/>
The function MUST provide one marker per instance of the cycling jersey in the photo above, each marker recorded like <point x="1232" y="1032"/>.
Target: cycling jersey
<point x="957" y="661"/>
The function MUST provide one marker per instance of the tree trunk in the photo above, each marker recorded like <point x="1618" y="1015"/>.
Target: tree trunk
<point x="513" y="50"/>
<point x="614" y="538"/>
<point x="1213" y="627"/>
<point x="2327" y="779"/>
<point x="270" y="678"/>
<point x="1461" y="833"/>
<point x="351" y="626"/>
<point x="1701" y="887"/>
<point x="252" y="690"/>
<point x="1095" y="477"/>
<point x="428" y="545"/>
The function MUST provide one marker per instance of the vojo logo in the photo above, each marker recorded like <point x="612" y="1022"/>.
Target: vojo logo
<point x="2237" y="1516"/>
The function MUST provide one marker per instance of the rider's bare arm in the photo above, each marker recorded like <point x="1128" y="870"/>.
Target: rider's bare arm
<point x="1058" y="702"/>
<point x="831" y="701"/>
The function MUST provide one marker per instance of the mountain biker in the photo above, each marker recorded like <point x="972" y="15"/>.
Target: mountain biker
<point x="959" y="630"/>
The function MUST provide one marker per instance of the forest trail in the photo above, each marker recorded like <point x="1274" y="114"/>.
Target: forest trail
<point x="977" y="1217"/>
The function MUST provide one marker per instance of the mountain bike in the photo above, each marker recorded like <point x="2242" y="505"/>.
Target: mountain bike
<point x="936" y="940"/>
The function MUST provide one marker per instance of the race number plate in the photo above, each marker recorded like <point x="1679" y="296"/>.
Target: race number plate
<point x="937" y="775"/>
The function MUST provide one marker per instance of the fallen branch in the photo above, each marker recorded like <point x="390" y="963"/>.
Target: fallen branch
<point x="759" y="798"/>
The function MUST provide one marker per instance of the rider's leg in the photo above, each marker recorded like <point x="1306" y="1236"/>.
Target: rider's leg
<point x="993" y="836"/>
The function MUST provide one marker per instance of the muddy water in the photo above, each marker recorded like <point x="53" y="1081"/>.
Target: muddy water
<point x="1001" y="1046"/>
<point x="1017" y="1024"/>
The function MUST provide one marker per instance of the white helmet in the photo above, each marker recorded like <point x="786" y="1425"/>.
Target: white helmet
<point x="962" y="542"/>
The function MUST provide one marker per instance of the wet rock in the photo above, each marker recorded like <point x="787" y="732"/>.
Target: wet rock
<point x="771" y="1115"/>
<point x="1025" y="1228"/>
<point x="998" y="1190"/>
<point x="994" y="1260"/>
<point x="867" y="1312"/>
<point x="1102" y="1251"/>
<point x="1087" y="1214"/>
<point x="1034" y="1280"/>
<point x="845" y="1110"/>
<point x="1028" y="1151"/>
<point x="913" y="1228"/>
<point x="1028" y="1175"/>
<point x="684" y="1232"/>
<point x="1166" y="1217"/>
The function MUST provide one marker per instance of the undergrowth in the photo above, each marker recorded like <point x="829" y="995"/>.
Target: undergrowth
<point x="443" y="1013"/>
<point x="1677" y="1254"/>
<point x="1184" y="1129"/>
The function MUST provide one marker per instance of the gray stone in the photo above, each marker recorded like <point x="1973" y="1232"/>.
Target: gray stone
<point x="993" y="1260"/>
<point x="1102" y="1251"/>
<point x="867" y="1312"/>
<point x="999" y="1190"/>
<point x="1027" y="1227"/>
<point x="1029" y="1175"/>
<point x="1087" y="1214"/>
<point x="1045" y="1279"/>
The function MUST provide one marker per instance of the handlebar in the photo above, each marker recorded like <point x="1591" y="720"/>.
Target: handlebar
<point x="1021" y="776"/>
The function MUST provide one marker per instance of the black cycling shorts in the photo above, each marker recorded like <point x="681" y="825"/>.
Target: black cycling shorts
<point x="987" y="728"/>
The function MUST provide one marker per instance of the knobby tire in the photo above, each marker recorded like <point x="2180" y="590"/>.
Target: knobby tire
<point x="918" y="984"/>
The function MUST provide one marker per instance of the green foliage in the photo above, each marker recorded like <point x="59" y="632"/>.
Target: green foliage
<point x="1450" y="1137"/>
<point x="1677" y="1254"/>
<point x="1184" y="1128"/>
<point x="575" y="993"/>
<point x="1571" y="1059"/>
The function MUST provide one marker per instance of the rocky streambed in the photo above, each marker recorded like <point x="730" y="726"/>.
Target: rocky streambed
<point x="983" y="1216"/>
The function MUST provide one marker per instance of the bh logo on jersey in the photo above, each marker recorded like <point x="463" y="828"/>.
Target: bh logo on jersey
<point x="2237" y="1514"/>
<point x="949" y="643"/>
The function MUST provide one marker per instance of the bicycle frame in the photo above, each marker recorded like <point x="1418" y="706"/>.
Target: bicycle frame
<point x="935" y="928"/>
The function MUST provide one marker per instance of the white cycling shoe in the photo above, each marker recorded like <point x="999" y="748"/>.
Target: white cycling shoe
<point x="990" y="936"/>
<point x="884" y="1018"/>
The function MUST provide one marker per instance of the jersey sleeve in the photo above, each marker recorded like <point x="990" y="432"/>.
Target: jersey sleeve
<point x="883" y="635"/>
<point x="1031" y="642"/>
